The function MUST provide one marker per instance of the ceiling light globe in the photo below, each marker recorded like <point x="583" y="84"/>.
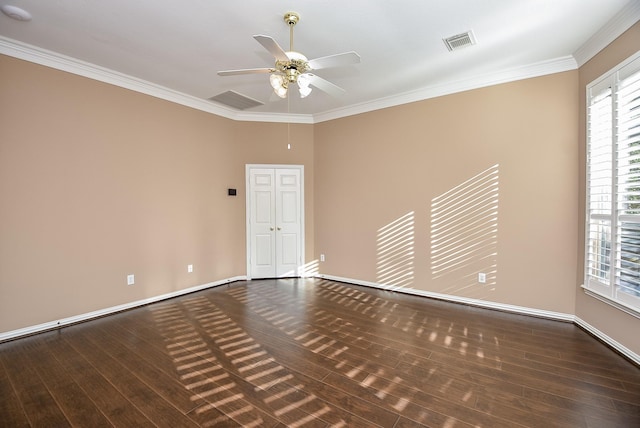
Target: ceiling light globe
<point x="281" y="91"/>
<point x="304" y="91"/>
<point x="276" y="81"/>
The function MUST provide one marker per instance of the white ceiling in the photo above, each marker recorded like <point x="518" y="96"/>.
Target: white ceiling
<point x="173" y="49"/>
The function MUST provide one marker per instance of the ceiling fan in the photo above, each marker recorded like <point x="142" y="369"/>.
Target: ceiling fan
<point x="292" y="67"/>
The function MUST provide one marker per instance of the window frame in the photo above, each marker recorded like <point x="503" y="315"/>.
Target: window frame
<point x="608" y="291"/>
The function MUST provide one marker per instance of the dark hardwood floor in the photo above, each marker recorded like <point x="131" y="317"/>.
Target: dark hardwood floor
<point x="315" y="353"/>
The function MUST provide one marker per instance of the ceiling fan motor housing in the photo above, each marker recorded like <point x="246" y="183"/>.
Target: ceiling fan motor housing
<point x="297" y="64"/>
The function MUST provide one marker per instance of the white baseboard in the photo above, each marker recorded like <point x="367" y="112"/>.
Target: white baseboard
<point x="559" y="316"/>
<point x="457" y="299"/>
<point x="14" y="334"/>
<point x="619" y="347"/>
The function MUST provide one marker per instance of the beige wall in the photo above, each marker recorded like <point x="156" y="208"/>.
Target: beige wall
<point x="490" y="176"/>
<point x="97" y="182"/>
<point x="613" y="322"/>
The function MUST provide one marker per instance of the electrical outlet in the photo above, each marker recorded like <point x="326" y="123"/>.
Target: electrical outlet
<point x="482" y="278"/>
<point x="321" y="257"/>
<point x="189" y="268"/>
<point x="131" y="279"/>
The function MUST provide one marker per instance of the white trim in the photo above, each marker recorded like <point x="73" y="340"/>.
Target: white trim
<point x="619" y="347"/>
<point x="606" y="78"/>
<point x="620" y="23"/>
<point x="608" y="293"/>
<point x="559" y="316"/>
<point x="542" y="68"/>
<point x="301" y="268"/>
<point x="609" y="301"/>
<point x="61" y="62"/>
<point x="14" y="334"/>
<point x="58" y="61"/>
<point x="81" y="68"/>
<point x="274" y="117"/>
<point x="613" y="29"/>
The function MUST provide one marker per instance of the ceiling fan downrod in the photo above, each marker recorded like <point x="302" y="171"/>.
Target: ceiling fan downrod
<point x="291" y="18"/>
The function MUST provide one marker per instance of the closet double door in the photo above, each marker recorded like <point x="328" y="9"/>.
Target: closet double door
<point x="275" y="223"/>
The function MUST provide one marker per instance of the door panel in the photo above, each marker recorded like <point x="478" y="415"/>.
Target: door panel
<point x="288" y="233"/>
<point x="264" y="254"/>
<point x="275" y="224"/>
<point x="261" y="223"/>
<point x="264" y="211"/>
<point x="289" y="248"/>
<point x="288" y="208"/>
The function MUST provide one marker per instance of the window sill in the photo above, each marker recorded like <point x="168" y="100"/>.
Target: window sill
<point x="616" y="304"/>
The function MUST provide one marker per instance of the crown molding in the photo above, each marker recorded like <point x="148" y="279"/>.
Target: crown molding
<point x="57" y="61"/>
<point x="274" y="117"/>
<point x="75" y="66"/>
<point x="81" y="68"/>
<point x="538" y="69"/>
<point x="617" y="25"/>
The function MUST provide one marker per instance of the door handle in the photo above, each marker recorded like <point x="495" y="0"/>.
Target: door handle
<point x="271" y="228"/>
<point x="279" y="228"/>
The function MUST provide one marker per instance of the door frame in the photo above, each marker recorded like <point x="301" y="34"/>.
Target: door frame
<point x="300" y="269"/>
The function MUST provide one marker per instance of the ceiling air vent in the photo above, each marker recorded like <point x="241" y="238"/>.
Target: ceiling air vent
<point x="236" y="100"/>
<point x="460" y="41"/>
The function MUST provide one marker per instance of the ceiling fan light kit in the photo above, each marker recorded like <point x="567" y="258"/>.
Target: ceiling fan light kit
<point x="292" y="67"/>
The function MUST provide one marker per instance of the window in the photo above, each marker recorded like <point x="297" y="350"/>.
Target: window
<point x="612" y="256"/>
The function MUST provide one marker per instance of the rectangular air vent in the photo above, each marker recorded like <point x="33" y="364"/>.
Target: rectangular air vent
<point x="236" y="100"/>
<point x="460" y="41"/>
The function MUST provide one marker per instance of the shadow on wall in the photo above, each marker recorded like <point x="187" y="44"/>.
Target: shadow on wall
<point x="395" y="250"/>
<point x="464" y="235"/>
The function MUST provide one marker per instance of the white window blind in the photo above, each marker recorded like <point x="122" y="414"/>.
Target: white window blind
<point x="612" y="256"/>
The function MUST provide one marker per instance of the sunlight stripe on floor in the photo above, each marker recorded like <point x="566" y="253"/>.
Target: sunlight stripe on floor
<point x="312" y="416"/>
<point x="264" y="373"/>
<point x="199" y="372"/>
<point x="206" y="381"/>
<point x="248" y="357"/>
<point x="256" y="364"/>
<point x="269" y="384"/>
<point x="284" y="393"/>
<point x="293" y="406"/>
<point x="213" y="391"/>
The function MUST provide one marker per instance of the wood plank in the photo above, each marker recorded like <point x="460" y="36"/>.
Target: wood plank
<point x="313" y="352"/>
<point x="78" y="408"/>
<point x="116" y="407"/>
<point x="145" y="398"/>
<point x="12" y="414"/>
<point x="38" y="403"/>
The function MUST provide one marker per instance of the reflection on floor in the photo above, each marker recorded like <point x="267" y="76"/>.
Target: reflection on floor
<point x="311" y="352"/>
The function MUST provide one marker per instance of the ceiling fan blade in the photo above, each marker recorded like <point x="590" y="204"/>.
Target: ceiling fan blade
<point x="272" y="46"/>
<point x="324" y="85"/>
<point x="337" y="60"/>
<point x="246" y="71"/>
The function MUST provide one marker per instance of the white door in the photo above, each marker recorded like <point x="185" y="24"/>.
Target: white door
<point x="275" y="237"/>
